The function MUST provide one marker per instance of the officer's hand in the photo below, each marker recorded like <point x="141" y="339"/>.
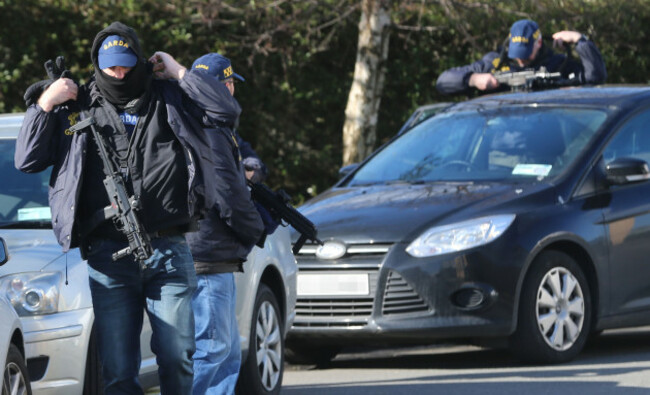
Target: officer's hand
<point x="253" y="170"/>
<point x="565" y="36"/>
<point x="55" y="70"/>
<point x="166" y="67"/>
<point x="59" y="92"/>
<point x="483" y="81"/>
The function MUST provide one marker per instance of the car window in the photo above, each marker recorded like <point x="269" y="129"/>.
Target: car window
<point x="631" y="141"/>
<point x="23" y="197"/>
<point x="514" y="143"/>
<point x="423" y="114"/>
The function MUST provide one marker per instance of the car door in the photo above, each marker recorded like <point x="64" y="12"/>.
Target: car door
<point x="627" y="220"/>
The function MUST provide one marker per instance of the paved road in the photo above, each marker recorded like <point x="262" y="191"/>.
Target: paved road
<point x="616" y="362"/>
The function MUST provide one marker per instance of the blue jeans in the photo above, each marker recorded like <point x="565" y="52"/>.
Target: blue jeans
<point x="121" y="291"/>
<point x="218" y="353"/>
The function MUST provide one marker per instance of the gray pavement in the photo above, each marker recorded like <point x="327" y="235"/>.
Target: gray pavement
<point x="614" y="363"/>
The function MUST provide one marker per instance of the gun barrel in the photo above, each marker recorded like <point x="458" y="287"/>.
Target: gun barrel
<point x="277" y="203"/>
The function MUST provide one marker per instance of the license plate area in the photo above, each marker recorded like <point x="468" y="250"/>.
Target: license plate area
<point x="330" y="284"/>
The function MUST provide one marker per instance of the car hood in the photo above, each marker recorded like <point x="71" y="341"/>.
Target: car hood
<point x="392" y="213"/>
<point x="29" y="249"/>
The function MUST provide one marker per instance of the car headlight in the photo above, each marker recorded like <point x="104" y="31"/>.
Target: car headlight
<point x="32" y="293"/>
<point x="459" y="236"/>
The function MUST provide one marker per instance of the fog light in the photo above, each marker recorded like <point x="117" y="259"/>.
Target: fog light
<point x="472" y="297"/>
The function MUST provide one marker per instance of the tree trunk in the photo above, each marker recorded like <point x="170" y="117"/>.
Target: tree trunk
<point x="360" y="127"/>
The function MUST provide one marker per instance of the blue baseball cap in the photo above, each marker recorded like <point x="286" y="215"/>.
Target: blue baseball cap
<point x="115" y="51"/>
<point x="217" y="66"/>
<point x="523" y="35"/>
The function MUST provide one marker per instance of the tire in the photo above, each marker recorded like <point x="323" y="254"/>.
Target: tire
<point x="264" y="376"/>
<point x="93" y="381"/>
<point x="554" y="311"/>
<point x="16" y="379"/>
<point x="299" y="353"/>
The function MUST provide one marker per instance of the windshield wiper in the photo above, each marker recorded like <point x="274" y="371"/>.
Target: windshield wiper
<point x="33" y="224"/>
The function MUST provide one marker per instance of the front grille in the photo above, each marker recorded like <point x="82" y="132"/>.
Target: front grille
<point x="357" y="256"/>
<point x="333" y="312"/>
<point x="400" y="298"/>
<point x="329" y="311"/>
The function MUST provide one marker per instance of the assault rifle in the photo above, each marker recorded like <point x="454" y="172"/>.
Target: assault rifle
<point x="279" y="206"/>
<point x="122" y="208"/>
<point x="532" y="79"/>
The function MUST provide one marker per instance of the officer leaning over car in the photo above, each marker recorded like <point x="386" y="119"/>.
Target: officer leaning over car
<point x="227" y="234"/>
<point x="526" y="50"/>
<point x="154" y="130"/>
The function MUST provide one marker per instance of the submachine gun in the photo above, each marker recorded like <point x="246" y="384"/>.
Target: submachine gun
<point x="122" y="209"/>
<point x="278" y="204"/>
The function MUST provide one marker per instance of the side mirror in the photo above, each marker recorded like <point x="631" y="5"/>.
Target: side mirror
<point x="626" y="170"/>
<point x="345" y="170"/>
<point x="4" y="254"/>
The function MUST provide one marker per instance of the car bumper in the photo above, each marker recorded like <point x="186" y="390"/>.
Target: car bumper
<point x="412" y="300"/>
<point x="56" y="346"/>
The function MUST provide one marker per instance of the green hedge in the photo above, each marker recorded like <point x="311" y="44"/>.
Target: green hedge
<point x="298" y="66"/>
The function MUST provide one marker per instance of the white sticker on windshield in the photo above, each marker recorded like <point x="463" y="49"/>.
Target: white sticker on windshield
<point x="34" y="214"/>
<point x="532" y="170"/>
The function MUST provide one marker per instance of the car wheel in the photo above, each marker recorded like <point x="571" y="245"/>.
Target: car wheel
<point x="93" y="381"/>
<point x="262" y="371"/>
<point x="301" y="353"/>
<point x="16" y="380"/>
<point x="554" y="311"/>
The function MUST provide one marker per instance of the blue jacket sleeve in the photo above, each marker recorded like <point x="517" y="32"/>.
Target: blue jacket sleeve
<point x="211" y="96"/>
<point x="593" y="64"/>
<point x="245" y="148"/>
<point x="234" y="202"/>
<point x="36" y="143"/>
<point x="456" y="79"/>
<point x="251" y="160"/>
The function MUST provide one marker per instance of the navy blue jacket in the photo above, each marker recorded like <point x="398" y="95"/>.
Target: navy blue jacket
<point x="232" y="226"/>
<point x="591" y="69"/>
<point x="45" y="140"/>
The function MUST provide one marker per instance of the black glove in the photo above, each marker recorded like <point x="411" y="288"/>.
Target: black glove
<point x="54" y="70"/>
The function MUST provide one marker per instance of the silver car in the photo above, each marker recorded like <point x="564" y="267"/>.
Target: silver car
<point x="49" y="290"/>
<point x="14" y="379"/>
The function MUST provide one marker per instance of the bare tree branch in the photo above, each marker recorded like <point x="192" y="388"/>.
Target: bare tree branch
<point x="420" y="28"/>
<point x="450" y="11"/>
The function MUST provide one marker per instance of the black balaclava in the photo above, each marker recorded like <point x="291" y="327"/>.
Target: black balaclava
<point x="127" y="93"/>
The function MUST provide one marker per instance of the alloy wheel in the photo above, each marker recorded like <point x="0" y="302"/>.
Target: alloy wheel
<point x="269" y="346"/>
<point x="14" y="380"/>
<point x="560" y="308"/>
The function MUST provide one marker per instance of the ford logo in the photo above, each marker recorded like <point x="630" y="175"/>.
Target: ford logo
<point x="331" y="250"/>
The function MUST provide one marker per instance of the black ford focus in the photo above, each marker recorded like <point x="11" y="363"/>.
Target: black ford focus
<point x="523" y="217"/>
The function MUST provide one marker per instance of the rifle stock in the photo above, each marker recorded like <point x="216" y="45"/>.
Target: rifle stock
<point x="279" y="206"/>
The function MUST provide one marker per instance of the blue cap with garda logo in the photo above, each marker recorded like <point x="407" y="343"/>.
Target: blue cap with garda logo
<point x="217" y="66"/>
<point x="523" y="35"/>
<point x="115" y="51"/>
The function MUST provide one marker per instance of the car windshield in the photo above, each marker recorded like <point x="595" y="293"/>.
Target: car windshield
<point x="23" y="197"/>
<point x="521" y="144"/>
